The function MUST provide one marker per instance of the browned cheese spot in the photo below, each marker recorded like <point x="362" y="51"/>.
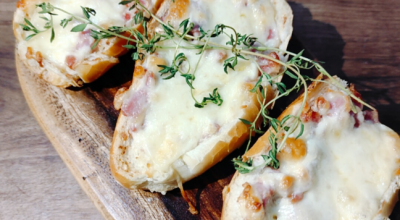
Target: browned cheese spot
<point x="21" y="4"/>
<point x="397" y="172"/>
<point x="178" y="9"/>
<point x="29" y="53"/>
<point x="138" y="72"/>
<point x="322" y="103"/>
<point x="122" y="149"/>
<point x="294" y="149"/>
<point x="286" y="183"/>
<point x="124" y="136"/>
<point x="251" y="202"/>
<point x="39" y="58"/>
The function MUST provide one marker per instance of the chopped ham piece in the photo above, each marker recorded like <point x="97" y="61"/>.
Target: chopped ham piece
<point x="137" y="102"/>
<point x="271" y="34"/>
<point x="85" y="40"/>
<point x="268" y="66"/>
<point x="70" y="60"/>
<point x="127" y="16"/>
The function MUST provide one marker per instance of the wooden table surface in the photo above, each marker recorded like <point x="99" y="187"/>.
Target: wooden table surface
<point x="358" y="39"/>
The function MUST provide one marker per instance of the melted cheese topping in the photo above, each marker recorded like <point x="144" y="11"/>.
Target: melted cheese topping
<point x="344" y="174"/>
<point x="177" y="124"/>
<point x="67" y="43"/>
<point x="169" y="134"/>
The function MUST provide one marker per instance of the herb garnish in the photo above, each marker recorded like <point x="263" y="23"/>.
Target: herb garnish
<point x="242" y="46"/>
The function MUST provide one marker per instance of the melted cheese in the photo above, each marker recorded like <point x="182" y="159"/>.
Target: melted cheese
<point x="174" y="134"/>
<point x="177" y="124"/>
<point x="67" y="43"/>
<point x="344" y="175"/>
<point x="247" y="17"/>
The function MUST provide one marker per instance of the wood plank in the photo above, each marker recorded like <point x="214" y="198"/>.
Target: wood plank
<point x="34" y="181"/>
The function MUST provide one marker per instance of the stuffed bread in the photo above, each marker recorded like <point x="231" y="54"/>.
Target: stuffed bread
<point x="70" y="60"/>
<point x="161" y="139"/>
<point x="345" y="165"/>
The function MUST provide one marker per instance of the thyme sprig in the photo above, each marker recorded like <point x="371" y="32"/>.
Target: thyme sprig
<point x="242" y="47"/>
<point x="98" y="34"/>
<point x="287" y="126"/>
<point x="45" y="9"/>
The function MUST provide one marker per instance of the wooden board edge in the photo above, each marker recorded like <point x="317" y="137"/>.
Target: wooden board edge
<point x="57" y="146"/>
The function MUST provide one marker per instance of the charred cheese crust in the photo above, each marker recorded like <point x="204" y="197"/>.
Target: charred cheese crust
<point x="134" y="161"/>
<point x="286" y="194"/>
<point x="69" y="59"/>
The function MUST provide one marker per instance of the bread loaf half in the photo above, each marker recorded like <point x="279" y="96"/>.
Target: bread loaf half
<point x="70" y="59"/>
<point x="345" y="165"/>
<point x="161" y="139"/>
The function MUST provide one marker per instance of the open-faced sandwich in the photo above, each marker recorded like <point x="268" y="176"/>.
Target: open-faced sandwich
<point x="181" y="114"/>
<point x="341" y="164"/>
<point x="58" y="46"/>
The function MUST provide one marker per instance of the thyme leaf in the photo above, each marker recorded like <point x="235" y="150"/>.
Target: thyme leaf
<point x="215" y="98"/>
<point x="231" y="62"/>
<point x="79" y="28"/>
<point x="64" y="22"/>
<point x="88" y="11"/>
<point x="172" y="70"/>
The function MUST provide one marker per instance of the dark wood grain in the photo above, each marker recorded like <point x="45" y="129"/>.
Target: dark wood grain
<point x="360" y="42"/>
<point x="358" y="39"/>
